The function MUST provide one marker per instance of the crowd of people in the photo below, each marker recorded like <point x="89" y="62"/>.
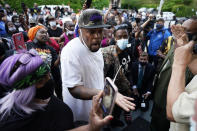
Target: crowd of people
<point x="55" y="81"/>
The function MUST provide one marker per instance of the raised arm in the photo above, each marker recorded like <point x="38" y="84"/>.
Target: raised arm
<point x="182" y="58"/>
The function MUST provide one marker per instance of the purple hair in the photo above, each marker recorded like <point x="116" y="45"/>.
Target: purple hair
<point x="17" y="100"/>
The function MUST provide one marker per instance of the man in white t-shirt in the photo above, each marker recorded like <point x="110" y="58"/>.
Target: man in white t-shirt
<point x="82" y="67"/>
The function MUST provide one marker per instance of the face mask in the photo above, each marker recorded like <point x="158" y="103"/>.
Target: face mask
<point x="73" y="17"/>
<point x="12" y="29"/>
<point x="52" y="24"/>
<point x="17" y="23"/>
<point x="159" y="26"/>
<point x="143" y="63"/>
<point x="46" y="91"/>
<point x="122" y="44"/>
<point x="69" y="32"/>
<point x="192" y="125"/>
<point x="41" y="20"/>
<point x="32" y="25"/>
<point x="14" y="13"/>
<point x="137" y="20"/>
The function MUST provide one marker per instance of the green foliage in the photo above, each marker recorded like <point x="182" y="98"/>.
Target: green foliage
<point x="99" y="4"/>
<point x="150" y="5"/>
<point x="187" y="2"/>
<point x="16" y="4"/>
<point x="140" y="3"/>
<point x="182" y="10"/>
<point x="185" y="6"/>
<point x="75" y="4"/>
<point x="169" y="5"/>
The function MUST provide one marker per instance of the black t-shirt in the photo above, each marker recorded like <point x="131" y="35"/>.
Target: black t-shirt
<point x="56" y="116"/>
<point x="55" y="33"/>
<point x="125" y="60"/>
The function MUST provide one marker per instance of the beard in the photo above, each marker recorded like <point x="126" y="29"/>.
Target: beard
<point x="94" y="47"/>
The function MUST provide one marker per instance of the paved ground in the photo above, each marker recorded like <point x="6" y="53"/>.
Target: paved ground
<point x="141" y="121"/>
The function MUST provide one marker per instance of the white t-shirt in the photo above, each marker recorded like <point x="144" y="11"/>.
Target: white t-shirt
<point x="80" y="66"/>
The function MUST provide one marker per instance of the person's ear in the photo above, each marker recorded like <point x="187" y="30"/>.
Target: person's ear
<point x="79" y="32"/>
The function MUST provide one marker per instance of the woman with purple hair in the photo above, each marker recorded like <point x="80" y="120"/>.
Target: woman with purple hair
<point x="23" y="78"/>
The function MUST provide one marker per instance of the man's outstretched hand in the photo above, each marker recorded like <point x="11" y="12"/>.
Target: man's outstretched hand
<point x="125" y="102"/>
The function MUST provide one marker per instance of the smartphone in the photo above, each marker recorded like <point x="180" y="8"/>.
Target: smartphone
<point x="19" y="41"/>
<point x="88" y="3"/>
<point x="193" y="36"/>
<point x="109" y="96"/>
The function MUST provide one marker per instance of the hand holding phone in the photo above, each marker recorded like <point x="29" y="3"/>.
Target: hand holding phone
<point x="109" y="96"/>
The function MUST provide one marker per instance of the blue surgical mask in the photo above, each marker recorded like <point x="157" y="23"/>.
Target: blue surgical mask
<point x="159" y="26"/>
<point x="122" y="44"/>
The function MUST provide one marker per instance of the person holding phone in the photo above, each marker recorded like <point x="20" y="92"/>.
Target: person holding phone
<point x="82" y="67"/>
<point x="22" y="106"/>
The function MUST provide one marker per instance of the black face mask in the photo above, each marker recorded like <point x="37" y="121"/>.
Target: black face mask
<point x="143" y="63"/>
<point x="138" y="20"/>
<point x="192" y="36"/>
<point x="32" y="25"/>
<point x="46" y="91"/>
<point x="41" y="20"/>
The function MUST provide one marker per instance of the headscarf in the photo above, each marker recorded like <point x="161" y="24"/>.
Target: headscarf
<point x="32" y="31"/>
<point x="22" y="70"/>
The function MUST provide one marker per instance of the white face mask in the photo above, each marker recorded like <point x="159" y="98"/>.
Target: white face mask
<point x="17" y="23"/>
<point x="14" y="13"/>
<point x="52" y="23"/>
<point x="122" y="44"/>
<point x="12" y="29"/>
<point x="69" y="32"/>
<point x="192" y="124"/>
